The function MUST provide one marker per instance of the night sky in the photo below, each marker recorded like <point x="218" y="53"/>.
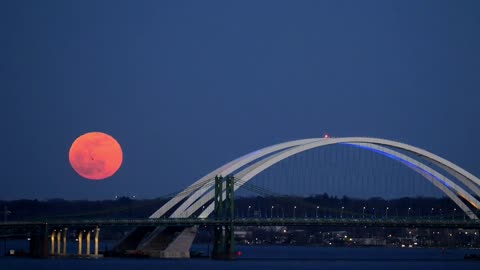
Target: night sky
<point x="186" y="86"/>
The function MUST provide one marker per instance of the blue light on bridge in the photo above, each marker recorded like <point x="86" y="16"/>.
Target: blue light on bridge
<point x="406" y="162"/>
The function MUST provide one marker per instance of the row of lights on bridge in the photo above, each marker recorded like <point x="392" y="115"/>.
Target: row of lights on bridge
<point x="342" y="208"/>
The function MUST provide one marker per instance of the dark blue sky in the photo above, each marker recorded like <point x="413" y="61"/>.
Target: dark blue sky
<point x="187" y="86"/>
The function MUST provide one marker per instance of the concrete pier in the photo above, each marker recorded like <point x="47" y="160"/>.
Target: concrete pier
<point x="52" y="242"/>
<point x="97" y="235"/>
<point x="87" y="252"/>
<point x="80" y="242"/>
<point x="59" y="243"/>
<point x="65" y="235"/>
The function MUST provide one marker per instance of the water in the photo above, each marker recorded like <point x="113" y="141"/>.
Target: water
<point x="270" y="257"/>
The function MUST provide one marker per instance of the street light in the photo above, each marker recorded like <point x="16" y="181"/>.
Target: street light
<point x="363" y="212"/>
<point x="374" y="216"/>
<point x="248" y="211"/>
<point x="341" y="212"/>
<point x="294" y="208"/>
<point x="454" y="212"/>
<point x="431" y="212"/>
<point x="271" y="212"/>
<point x="386" y="212"/>
<point x="408" y="212"/>
<point x="316" y="212"/>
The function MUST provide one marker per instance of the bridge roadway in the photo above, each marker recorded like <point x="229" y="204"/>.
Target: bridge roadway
<point x="187" y="222"/>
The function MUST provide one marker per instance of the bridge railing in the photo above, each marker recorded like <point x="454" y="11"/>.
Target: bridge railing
<point x="338" y="222"/>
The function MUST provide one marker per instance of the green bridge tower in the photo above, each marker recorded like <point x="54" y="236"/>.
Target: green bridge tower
<point x="224" y="246"/>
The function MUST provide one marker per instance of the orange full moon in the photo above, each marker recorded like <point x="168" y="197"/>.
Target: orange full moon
<point x="95" y="155"/>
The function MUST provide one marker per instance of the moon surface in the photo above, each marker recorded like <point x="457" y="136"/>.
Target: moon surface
<point x="95" y="155"/>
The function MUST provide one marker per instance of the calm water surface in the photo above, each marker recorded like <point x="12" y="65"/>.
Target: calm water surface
<point x="272" y="257"/>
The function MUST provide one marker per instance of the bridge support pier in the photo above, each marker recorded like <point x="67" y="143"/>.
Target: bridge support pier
<point x="97" y="235"/>
<point x="223" y="245"/>
<point x="52" y="242"/>
<point x="65" y="235"/>
<point x="80" y="242"/>
<point x="87" y="252"/>
<point x="59" y="243"/>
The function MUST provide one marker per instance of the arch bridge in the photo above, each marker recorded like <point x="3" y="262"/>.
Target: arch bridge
<point x="462" y="187"/>
<point x="458" y="185"/>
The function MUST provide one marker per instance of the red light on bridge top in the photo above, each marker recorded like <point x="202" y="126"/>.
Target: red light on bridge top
<point x="326" y="136"/>
<point x="239" y="253"/>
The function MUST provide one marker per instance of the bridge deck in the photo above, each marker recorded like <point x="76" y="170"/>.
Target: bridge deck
<point x="328" y="222"/>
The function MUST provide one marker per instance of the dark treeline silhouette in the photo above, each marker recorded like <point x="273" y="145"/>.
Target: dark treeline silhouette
<point x="123" y="207"/>
<point x="261" y="206"/>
